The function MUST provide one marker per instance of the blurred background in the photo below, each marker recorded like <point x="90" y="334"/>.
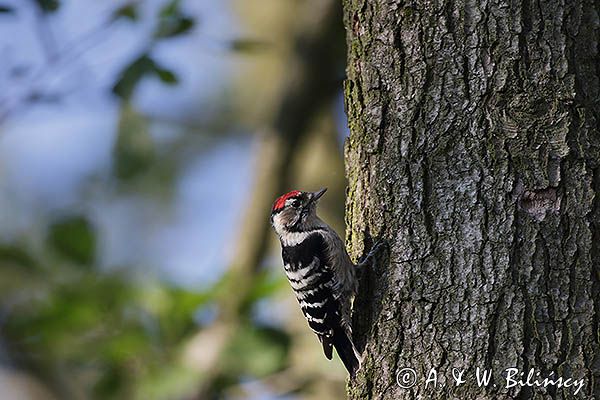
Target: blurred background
<point x="142" y="144"/>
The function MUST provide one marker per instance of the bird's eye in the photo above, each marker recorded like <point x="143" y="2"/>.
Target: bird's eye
<point x="295" y="203"/>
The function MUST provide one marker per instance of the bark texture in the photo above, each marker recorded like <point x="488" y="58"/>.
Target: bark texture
<point x="475" y="151"/>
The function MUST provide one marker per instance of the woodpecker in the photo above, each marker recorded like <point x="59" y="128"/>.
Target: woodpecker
<point x="320" y="272"/>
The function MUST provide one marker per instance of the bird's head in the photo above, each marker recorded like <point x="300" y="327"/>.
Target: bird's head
<point x="295" y="211"/>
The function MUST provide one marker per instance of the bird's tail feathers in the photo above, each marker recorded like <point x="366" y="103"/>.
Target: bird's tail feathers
<point x="346" y="350"/>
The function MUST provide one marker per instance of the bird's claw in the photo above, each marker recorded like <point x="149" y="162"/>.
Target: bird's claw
<point x="380" y="248"/>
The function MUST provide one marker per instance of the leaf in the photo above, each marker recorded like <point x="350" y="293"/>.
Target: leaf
<point x="128" y="11"/>
<point x="74" y="238"/>
<point x="91" y="327"/>
<point x="172" y="22"/>
<point x="132" y="74"/>
<point x="174" y="26"/>
<point x="169" y="9"/>
<point x="171" y="381"/>
<point x="165" y="75"/>
<point x="48" y="6"/>
<point x="16" y="255"/>
<point x="256" y="351"/>
<point x="111" y="381"/>
<point x="21" y="272"/>
<point x="4" y="9"/>
<point x="248" y="45"/>
<point x="134" y="148"/>
<point x="266" y="285"/>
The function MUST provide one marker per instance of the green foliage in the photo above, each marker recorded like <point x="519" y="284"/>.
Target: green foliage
<point x="169" y="9"/>
<point x="112" y="337"/>
<point x="165" y="75"/>
<point x="172" y="21"/>
<point x="128" y="11"/>
<point x="48" y="6"/>
<point x="174" y="26"/>
<point x="4" y="9"/>
<point x="14" y="255"/>
<point x="248" y="45"/>
<point x="172" y="381"/>
<point x="74" y="239"/>
<point x="141" y="67"/>
<point x="85" y="324"/>
<point x="266" y="285"/>
<point x="131" y="75"/>
<point x="256" y="350"/>
<point x="134" y="148"/>
<point x="19" y="271"/>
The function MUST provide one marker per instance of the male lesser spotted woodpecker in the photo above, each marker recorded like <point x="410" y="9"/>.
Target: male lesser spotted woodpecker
<point x="320" y="272"/>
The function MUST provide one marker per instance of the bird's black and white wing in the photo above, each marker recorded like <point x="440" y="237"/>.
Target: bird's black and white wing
<point x="314" y="284"/>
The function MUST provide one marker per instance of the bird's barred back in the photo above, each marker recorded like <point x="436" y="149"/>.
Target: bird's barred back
<point x="311" y="281"/>
<point x="301" y="254"/>
<point x="317" y="304"/>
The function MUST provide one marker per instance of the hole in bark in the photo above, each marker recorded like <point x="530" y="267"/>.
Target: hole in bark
<point x="538" y="203"/>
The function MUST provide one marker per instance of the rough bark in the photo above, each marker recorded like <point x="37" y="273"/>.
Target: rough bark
<point x="475" y="151"/>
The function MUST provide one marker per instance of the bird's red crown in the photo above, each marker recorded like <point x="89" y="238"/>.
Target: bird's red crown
<point x="280" y="202"/>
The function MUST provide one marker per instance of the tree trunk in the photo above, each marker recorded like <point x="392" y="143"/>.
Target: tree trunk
<point x="475" y="152"/>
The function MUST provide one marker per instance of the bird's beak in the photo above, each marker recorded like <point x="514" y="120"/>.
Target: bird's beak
<point x="317" y="195"/>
